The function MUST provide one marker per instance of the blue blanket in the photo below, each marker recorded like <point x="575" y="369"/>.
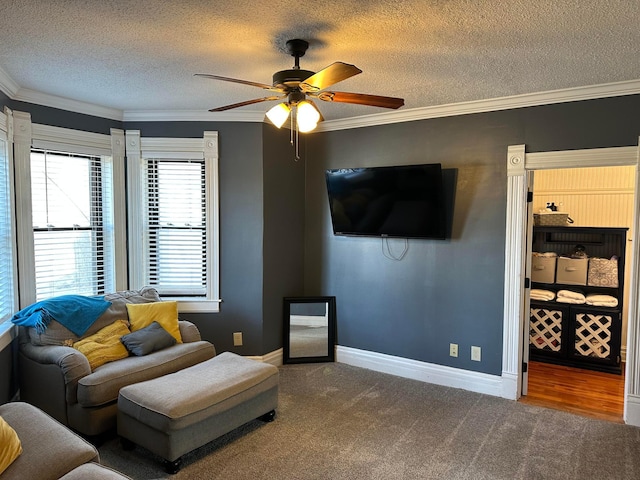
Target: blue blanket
<point x="75" y="312"/>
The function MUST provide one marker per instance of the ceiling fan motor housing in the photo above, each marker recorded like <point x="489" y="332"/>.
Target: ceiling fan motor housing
<point x="290" y="78"/>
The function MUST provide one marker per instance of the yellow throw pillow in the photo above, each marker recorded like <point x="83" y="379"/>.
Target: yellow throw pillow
<point x="10" y="446"/>
<point x="165" y="313"/>
<point x="104" y="346"/>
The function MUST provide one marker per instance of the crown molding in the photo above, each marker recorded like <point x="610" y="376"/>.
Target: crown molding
<point x="7" y="85"/>
<point x="592" y="92"/>
<point x="191" y="116"/>
<point x="614" y="89"/>
<point x="44" y="99"/>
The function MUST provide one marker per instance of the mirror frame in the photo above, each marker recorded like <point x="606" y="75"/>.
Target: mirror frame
<point x="331" y="336"/>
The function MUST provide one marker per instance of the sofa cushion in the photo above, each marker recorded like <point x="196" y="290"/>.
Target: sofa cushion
<point x="10" y="446"/>
<point x="165" y="313"/>
<point x="148" y="339"/>
<point x="93" y="471"/>
<point x="104" y="346"/>
<point x="103" y="385"/>
<point x="56" y="334"/>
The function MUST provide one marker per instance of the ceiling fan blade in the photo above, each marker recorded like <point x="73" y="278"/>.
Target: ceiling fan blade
<point x="334" y="73"/>
<point x="243" y="82"/>
<point x="247" y="102"/>
<point x="361" y="99"/>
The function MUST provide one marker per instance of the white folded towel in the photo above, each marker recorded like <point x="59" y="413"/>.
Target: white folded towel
<point x="569" y="296"/>
<point x="602" y="300"/>
<point x="539" y="294"/>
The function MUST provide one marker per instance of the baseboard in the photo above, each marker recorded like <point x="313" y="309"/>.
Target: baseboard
<point x="422" y="371"/>
<point x="632" y="411"/>
<point x="274" y="358"/>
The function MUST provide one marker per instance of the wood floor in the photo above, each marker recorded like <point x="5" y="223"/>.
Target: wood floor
<point x="583" y="392"/>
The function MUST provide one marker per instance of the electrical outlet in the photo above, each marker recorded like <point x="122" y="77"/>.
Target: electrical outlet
<point x="453" y="349"/>
<point x="237" y="339"/>
<point x="476" y="354"/>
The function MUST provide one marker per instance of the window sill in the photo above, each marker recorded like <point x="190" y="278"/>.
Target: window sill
<point x="7" y="333"/>
<point x="196" y="306"/>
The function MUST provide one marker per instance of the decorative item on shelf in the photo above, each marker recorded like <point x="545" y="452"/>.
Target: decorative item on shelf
<point x="579" y="251"/>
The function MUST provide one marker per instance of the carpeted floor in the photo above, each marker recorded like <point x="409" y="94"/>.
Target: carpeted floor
<point x="336" y="421"/>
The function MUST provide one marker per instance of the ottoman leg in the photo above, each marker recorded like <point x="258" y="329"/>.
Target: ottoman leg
<point x="172" y="467"/>
<point x="268" y="417"/>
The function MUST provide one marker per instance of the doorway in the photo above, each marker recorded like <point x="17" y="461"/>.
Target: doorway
<point x="520" y="168"/>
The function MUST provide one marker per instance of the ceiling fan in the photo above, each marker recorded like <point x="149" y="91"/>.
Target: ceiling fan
<point x="297" y="88"/>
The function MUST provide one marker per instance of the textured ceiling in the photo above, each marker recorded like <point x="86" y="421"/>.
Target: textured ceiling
<point x="142" y="55"/>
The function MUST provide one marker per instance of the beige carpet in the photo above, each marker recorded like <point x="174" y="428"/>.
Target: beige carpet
<point x="340" y="422"/>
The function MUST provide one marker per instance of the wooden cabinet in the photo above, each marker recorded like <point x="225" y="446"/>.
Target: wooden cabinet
<point x="579" y="334"/>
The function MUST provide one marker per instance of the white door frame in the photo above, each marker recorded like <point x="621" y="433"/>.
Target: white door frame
<point x="519" y="167"/>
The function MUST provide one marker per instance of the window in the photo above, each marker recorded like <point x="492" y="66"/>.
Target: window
<point x="8" y="290"/>
<point x="71" y="204"/>
<point x="176" y="244"/>
<point x="173" y="218"/>
<point x="70" y="214"/>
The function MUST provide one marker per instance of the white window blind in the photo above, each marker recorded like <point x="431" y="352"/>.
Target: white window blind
<point x="7" y="289"/>
<point x="175" y="228"/>
<point x="72" y="223"/>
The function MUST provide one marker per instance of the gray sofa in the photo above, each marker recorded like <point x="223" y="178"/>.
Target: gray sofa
<point x="57" y="378"/>
<point x="50" y="450"/>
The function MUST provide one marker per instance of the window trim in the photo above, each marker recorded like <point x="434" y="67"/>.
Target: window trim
<point x="28" y="134"/>
<point x="7" y="332"/>
<point x="137" y="150"/>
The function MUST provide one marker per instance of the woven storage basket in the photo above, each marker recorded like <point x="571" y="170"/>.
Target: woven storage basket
<point x="551" y="219"/>
<point x="603" y="272"/>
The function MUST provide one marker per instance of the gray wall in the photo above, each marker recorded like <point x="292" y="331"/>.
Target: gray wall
<point x="283" y="231"/>
<point x="447" y="291"/>
<point x="442" y="292"/>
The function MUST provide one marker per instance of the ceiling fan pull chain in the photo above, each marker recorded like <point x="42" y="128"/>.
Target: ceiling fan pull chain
<point x="297" y="145"/>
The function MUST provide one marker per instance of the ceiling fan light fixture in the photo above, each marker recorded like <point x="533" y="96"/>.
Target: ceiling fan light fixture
<point x="307" y="116"/>
<point x="279" y="114"/>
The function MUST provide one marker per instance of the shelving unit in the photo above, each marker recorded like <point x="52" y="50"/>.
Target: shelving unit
<point x="579" y="335"/>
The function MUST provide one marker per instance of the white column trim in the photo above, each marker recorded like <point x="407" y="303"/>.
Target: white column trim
<point x="632" y="382"/>
<point x="211" y="156"/>
<point x="119" y="209"/>
<point x="22" y="138"/>
<point x="514" y="270"/>
<point x="134" y="209"/>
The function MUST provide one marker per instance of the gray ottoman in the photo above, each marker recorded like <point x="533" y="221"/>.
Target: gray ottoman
<point x="182" y="411"/>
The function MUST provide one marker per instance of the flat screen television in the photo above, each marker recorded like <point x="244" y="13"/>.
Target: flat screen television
<point x="397" y="201"/>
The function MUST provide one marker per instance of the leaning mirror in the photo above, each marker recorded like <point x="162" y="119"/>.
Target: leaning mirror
<point x="309" y="329"/>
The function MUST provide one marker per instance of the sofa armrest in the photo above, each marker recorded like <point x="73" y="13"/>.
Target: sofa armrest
<point x="189" y="332"/>
<point x="72" y="364"/>
<point x="49" y="449"/>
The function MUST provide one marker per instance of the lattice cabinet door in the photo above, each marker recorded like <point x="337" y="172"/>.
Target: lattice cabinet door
<point x="547" y="327"/>
<point x="597" y="336"/>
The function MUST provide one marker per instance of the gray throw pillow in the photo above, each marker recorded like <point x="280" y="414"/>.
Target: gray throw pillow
<point x="148" y="339"/>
